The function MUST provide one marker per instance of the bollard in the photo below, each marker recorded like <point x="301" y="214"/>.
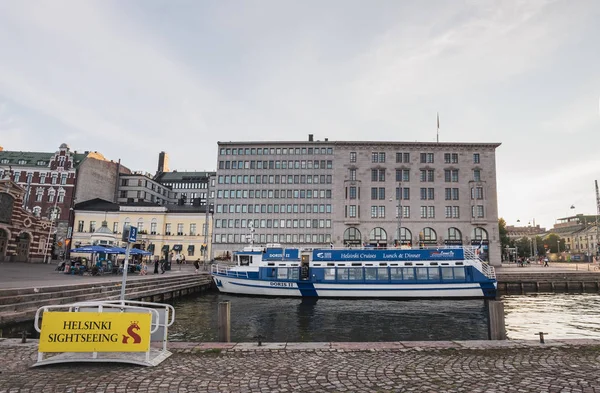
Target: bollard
<point x="541" y="334"/>
<point x="260" y="337"/>
<point x="496" y="327"/>
<point x="224" y="327"/>
<point x="24" y="336"/>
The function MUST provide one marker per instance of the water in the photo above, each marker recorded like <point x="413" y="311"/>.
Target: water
<point x="561" y="315"/>
<point x="293" y="320"/>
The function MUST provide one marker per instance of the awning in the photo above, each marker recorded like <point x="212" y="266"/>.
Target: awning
<point x="165" y="248"/>
<point x="151" y="248"/>
<point x="191" y="248"/>
<point x="177" y="247"/>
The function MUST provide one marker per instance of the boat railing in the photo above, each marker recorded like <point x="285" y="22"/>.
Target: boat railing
<point x="472" y="253"/>
<point x="227" y="271"/>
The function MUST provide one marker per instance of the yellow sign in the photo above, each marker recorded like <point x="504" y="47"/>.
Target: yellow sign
<point x="95" y="332"/>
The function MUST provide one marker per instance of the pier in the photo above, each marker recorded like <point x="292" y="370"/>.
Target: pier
<point x="25" y="288"/>
<point x="559" y="277"/>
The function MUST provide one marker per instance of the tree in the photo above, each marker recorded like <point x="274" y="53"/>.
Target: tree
<point x="504" y="239"/>
<point x="553" y="241"/>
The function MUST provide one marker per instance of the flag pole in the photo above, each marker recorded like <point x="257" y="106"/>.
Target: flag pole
<point x="438" y="128"/>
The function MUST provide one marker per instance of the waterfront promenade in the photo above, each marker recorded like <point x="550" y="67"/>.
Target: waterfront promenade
<point x="465" y="366"/>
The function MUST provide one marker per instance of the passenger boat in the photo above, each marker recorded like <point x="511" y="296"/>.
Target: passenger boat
<point x="449" y="272"/>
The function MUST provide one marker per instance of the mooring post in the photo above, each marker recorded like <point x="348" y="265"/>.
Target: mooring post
<point x="541" y="334"/>
<point x="224" y="322"/>
<point x="496" y="327"/>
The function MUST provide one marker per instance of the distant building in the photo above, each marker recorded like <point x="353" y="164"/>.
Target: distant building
<point x="23" y="235"/>
<point x="162" y="229"/>
<point x="339" y="193"/>
<point x="518" y="232"/>
<point x="138" y="187"/>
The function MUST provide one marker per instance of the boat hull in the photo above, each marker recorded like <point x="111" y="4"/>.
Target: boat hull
<point x="254" y="287"/>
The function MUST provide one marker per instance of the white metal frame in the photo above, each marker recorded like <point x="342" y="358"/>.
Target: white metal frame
<point x="118" y="306"/>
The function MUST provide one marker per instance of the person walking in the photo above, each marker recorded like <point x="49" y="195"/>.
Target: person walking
<point x="156" y="265"/>
<point x="546" y="262"/>
<point x="197" y="265"/>
<point x="162" y="266"/>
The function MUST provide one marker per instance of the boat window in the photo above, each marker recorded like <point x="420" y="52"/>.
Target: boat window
<point x="356" y="264"/>
<point x="329" y="274"/>
<point x="434" y="273"/>
<point x="433" y="264"/>
<point x="447" y="273"/>
<point x="408" y="273"/>
<point x="355" y="274"/>
<point x="370" y="273"/>
<point x="244" y="260"/>
<point x="408" y="264"/>
<point x="393" y="264"/>
<point x="282" y="264"/>
<point x="282" y="273"/>
<point x="382" y="274"/>
<point x="330" y="264"/>
<point x="294" y="274"/>
<point x="368" y="264"/>
<point x="271" y="273"/>
<point x="445" y="263"/>
<point x="459" y="273"/>
<point x="459" y="263"/>
<point x="317" y="264"/>
<point x="419" y="264"/>
<point x="342" y="273"/>
<point x="382" y="264"/>
<point x="271" y="264"/>
<point x="342" y="264"/>
<point x="396" y="273"/>
<point x="422" y="273"/>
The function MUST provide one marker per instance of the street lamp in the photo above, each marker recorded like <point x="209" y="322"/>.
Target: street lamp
<point x="399" y="215"/>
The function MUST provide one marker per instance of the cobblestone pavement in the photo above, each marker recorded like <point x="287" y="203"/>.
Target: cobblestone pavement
<point x="324" y="367"/>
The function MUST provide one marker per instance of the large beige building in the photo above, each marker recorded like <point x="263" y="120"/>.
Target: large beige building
<point x="162" y="230"/>
<point x="339" y="193"/>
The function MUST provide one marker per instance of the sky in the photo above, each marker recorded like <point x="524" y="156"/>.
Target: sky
<point x="131" y="78"/>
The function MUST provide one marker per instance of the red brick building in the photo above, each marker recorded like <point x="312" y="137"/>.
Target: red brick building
<point x="23" y="236"/>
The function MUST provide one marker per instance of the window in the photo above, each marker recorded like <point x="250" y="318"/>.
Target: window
<point x="42" y="178"/>
<point x="377" y="211"/>
<point x="451" y="158"/>
<point x="403" y="157"/>
<point x="193" y="229"/>
<point x="477" y="211"/>
<point x="477" y="174"/>
<point x="451" y="175"/>
<point x="451" y="194"/>
<point x="167" y="228"/>
<point x="427" y="193"/>
<point x="115" y="227"/>
<point x="378" y="157"/>
<point x="427" y="175"/>
<point x="124" y="182"/>
<point x="51" y="194"/>
<point x="80" y="226"/>
<point x="352" y="174"/>
<point x="39" y="194"/>
<point x="405" y="195"/>
<point x="61" y="196"/>
<point x="426" y="158"/>
<point x="451" y="212"/>
<point x="476" y="158"/>
<point x="352" y="192"/>
<point x="352" y="211"/>
<point x="403" y="175"/>
<point x="92" y="226"/>
<point x="352" y="156"/>
<point x="427" y="211"/>
<point x="477" y="193"/>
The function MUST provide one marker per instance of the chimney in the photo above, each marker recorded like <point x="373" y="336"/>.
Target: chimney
<point x="326" y="139"/>
<point x="1" y="148"/>
<point x="163" y="162"/>
<point x="310" y="137"/>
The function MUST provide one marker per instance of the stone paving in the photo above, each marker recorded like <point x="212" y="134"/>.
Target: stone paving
<point x="467" y="366"/>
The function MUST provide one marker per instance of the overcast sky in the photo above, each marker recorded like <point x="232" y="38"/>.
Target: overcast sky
<point x="131" y="78"/>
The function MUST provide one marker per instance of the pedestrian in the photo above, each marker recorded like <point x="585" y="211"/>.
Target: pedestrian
<point x="183" y="259"/>
<point x="197" y="265"/>
<point x="162" y="266"/>
<point x="546" y="262"/>
<point x="156" y="265"/>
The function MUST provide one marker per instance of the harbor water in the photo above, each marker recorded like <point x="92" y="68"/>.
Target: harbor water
<point x="294" y="320"/>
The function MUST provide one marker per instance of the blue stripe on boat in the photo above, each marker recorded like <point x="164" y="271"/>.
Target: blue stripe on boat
<point x="309" y="288"/>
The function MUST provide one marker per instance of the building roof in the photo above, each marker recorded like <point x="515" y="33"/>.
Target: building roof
<point x="361" y="143"/>
<point x="32" y="158"/>
<point x="97" y="204"/>
<point x="176" y="176"/>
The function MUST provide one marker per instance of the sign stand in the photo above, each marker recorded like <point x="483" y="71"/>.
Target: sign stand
<point x="71" y="318"/>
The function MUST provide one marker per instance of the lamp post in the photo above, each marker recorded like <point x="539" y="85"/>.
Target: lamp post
<point x="399" y="214"/>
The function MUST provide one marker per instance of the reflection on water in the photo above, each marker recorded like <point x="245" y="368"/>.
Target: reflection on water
<point x="561" y="315"/>
<point x="294" y="320"/>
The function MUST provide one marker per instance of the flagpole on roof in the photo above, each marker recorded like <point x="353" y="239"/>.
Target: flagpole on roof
<point x="438" y="128"/>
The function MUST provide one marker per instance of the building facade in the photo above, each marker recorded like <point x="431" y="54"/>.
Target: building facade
<point x="139" y="187"/>
<point x="162" y="230"/>
<point x="23" y="235"/>
<point x="326" y="193"/>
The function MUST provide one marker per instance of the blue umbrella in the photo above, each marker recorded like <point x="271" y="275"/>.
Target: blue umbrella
<point x="91" y="249"/>
<point x="137" y="251"/>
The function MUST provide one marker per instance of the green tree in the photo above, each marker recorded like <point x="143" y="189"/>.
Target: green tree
<point x="504" y="239"/>
<point x="553" y="241"/>
<point x="523" y="247"/>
